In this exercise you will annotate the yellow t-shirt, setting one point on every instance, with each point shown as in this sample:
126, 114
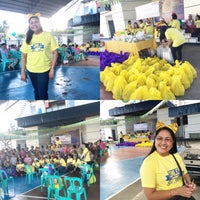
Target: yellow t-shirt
129, 28
36, 164
162, 172
149, 30
47, 160
39, 52
176, 36
175, 23
86, 155
197, 23
77, 162
42, 162
20, 166
142, 25
69, 160
58, 142
62, 162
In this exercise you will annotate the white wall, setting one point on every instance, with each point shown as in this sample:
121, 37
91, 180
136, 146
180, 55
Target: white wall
91, 131
162, 114
193, 125
191, 7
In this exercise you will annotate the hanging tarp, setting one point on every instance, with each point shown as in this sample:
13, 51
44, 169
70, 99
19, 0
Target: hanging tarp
148, 10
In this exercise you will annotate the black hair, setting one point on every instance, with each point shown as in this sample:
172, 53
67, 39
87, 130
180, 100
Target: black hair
174, 16
174, 147
29, 33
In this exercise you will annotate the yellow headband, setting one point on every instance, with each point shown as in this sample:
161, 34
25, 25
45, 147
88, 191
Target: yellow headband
173, 127
32, 15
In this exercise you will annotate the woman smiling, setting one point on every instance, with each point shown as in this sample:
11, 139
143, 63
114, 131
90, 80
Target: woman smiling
163, 173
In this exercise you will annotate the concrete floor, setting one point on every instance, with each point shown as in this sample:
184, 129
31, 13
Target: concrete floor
191, 53
73, 81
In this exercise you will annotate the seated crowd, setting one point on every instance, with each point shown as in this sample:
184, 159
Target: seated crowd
191, 25
10, 56
65, 158
74, 52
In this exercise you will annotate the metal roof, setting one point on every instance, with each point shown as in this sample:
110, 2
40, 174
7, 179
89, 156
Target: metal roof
46, 8
60, 117
138, 109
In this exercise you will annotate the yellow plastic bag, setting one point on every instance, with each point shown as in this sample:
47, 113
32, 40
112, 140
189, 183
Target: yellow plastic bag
129, 89
176, 87
150, 82
165, 91
118, 87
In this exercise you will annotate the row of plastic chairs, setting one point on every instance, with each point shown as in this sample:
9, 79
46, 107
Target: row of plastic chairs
72, 185
65, 56
14, 55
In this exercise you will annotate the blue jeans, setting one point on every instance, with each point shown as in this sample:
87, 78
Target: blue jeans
40, 83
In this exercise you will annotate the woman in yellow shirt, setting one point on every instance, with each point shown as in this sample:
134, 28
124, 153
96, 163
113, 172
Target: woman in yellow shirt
20, 168
76, 162
163, 173
61, 164
39, 55
36, 164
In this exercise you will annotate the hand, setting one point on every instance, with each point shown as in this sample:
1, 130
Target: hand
24, 76
51, 73
191, 185
186, 191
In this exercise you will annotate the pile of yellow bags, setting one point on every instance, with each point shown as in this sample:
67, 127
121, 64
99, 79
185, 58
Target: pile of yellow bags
147, 79
144, 144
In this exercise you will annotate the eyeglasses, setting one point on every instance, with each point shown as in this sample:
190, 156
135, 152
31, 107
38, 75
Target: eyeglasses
160, 139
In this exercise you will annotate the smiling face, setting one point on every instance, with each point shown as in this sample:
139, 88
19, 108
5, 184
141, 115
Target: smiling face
35, 25
163, 142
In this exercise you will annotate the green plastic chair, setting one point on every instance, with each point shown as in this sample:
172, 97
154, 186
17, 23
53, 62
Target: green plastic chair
45, 172
75, 185
87, 173
55, 171
5, 183
51, 186
30, 173
6, 61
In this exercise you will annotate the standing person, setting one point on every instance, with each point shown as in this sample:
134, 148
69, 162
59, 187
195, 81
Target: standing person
163, 173
37, 59
129, 27
175, 23
121, 137
175, 40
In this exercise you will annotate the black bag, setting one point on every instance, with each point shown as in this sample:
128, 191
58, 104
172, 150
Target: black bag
182, 198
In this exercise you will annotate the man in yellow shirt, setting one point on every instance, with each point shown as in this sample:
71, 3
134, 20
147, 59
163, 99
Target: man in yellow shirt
175, 40
175, 23
86, 154
129, 27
